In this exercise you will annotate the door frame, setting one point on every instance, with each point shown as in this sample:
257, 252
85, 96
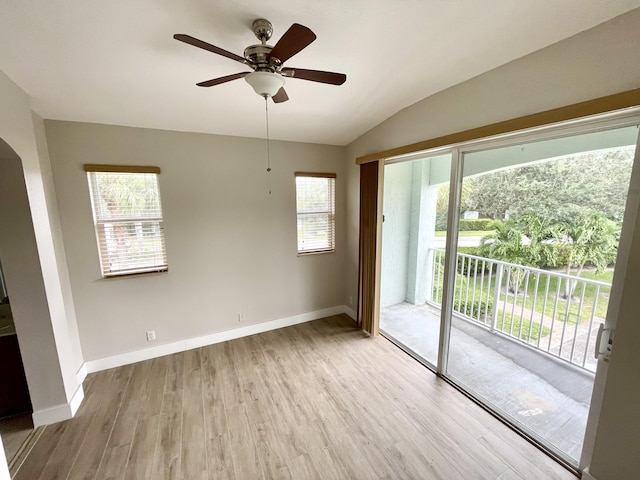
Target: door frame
600, 122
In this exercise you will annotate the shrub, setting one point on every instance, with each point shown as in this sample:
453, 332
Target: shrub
477, 251
469, 224
561, 254
465, 224
473, 309
469, 267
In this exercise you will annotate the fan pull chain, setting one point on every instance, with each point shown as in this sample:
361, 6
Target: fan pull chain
266, 110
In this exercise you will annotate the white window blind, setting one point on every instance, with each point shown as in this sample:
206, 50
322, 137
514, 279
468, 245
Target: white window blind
128, 219
316, 208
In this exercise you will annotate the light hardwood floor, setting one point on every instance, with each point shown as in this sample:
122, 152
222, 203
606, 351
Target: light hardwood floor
313, 401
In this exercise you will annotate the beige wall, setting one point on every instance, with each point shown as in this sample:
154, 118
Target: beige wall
231, 246
35, 280
595, 63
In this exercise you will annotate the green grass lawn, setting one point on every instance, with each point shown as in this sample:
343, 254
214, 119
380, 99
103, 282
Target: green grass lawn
574, 304
464, 301
526, 324
468, 292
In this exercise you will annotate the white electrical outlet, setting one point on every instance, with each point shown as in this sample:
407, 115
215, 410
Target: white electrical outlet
151, 335
350, 300
241, 317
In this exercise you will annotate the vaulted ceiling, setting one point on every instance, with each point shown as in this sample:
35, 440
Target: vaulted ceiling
116, 62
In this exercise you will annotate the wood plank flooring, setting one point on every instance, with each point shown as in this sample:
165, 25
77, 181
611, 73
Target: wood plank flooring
313, 401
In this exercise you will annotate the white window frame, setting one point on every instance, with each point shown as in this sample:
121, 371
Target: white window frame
111, 265
330, 213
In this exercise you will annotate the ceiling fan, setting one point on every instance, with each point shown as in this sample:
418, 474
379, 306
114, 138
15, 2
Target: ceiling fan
268, 75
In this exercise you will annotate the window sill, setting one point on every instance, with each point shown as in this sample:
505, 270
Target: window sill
315, 252
135, 274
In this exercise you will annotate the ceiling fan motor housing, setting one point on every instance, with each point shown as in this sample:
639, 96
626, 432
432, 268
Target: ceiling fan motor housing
257, 54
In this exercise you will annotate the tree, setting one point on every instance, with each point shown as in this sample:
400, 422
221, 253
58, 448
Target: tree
124, 194
442, 203
596, 181
593, 239
507, 243
119, 198
542, 235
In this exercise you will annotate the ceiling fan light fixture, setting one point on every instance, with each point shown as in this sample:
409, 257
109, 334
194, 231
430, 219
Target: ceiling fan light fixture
265, 84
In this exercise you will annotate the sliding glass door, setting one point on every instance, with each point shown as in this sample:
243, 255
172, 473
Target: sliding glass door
508, 306
415, 209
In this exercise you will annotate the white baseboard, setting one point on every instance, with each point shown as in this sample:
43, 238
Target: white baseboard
352, 313
58, 413
197, 342
587, 476
82, 374
76, 400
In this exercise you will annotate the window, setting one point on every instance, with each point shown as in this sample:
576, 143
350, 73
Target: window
316, 209
128, 219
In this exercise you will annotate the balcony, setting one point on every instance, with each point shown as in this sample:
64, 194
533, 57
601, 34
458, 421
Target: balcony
522, 339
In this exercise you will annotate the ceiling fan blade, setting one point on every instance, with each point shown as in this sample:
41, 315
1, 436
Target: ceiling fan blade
218, 81
281, 96
294, 40
316, 75
207, 46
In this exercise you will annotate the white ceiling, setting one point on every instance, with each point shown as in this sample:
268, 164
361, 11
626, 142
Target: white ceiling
116, 62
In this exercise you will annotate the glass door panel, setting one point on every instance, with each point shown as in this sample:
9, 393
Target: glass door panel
536, 254
415, 210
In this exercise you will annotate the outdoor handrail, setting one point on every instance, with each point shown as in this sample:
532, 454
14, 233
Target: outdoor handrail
494, 307
531, 269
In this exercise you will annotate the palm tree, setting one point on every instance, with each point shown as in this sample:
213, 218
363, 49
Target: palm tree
126, 195
593, 239
508, 243
542, 235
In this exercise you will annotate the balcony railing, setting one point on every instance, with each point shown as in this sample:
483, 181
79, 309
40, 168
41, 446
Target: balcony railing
553, 312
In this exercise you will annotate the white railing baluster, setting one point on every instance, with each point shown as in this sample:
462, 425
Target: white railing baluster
496, 295
515, 295
544, 308
579, 315
593, 315
460, 289
567, 313
533, 307
483, 267
486, 304
506, 297
473, 291
466, 269
524, 301
553, 317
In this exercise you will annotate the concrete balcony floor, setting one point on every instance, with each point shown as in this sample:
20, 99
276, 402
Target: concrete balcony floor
545, 395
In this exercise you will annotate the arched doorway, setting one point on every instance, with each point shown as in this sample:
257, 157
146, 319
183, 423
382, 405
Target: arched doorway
15, 402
